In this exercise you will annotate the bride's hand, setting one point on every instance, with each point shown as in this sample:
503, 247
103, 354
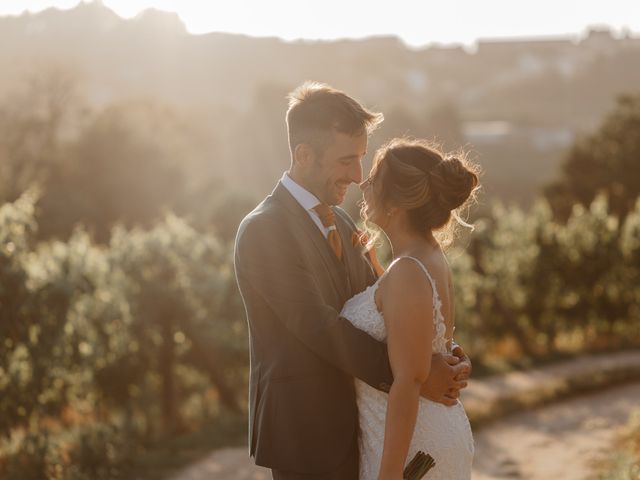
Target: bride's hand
442, 385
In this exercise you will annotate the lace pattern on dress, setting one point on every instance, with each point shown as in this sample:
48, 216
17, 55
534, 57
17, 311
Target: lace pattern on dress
362, 311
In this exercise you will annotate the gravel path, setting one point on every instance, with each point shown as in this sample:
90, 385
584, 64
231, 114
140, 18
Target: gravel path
557, 441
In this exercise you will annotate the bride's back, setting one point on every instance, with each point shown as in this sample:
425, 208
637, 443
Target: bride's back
437, 270
436, 264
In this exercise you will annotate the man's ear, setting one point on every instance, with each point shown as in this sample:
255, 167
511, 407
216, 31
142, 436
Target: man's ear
303, 155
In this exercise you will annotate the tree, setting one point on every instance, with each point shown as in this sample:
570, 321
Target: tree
36, 121
179, 285
126, 167
606, 161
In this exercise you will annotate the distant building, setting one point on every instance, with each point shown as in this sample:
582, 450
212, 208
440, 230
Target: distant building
494, 132
486, 132
600, 41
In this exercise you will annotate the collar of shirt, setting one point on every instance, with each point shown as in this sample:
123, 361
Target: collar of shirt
306, 199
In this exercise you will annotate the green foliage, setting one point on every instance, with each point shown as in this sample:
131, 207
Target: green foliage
181, 290
34, 118
126, 163
623, 462
546, 286
37, 292
604, 162
90, 452
122, 168
108, 348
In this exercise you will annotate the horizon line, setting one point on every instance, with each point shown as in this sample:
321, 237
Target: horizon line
573, 36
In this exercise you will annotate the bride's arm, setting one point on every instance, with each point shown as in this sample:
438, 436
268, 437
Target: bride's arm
407, 307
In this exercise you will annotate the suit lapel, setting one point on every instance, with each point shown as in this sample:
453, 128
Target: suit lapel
311, 234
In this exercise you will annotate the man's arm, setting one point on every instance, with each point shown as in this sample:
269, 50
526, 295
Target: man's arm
273, 267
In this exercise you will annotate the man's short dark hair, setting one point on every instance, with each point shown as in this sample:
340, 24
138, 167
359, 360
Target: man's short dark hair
317, 110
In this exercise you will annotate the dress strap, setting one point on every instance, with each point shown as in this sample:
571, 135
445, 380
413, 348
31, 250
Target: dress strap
424, 269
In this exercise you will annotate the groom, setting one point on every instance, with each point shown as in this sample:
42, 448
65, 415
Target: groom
296, 266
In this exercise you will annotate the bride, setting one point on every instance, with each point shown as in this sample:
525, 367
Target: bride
411, 192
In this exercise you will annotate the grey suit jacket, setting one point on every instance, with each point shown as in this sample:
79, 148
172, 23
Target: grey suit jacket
302, 407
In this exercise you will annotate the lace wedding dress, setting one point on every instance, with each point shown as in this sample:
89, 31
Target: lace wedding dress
442, 432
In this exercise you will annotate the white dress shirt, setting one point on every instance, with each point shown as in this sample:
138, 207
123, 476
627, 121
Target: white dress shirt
307, 200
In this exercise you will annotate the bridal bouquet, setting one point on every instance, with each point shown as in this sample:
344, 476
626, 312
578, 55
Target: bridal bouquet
419, 466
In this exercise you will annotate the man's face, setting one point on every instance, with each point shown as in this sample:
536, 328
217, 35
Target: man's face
340, 165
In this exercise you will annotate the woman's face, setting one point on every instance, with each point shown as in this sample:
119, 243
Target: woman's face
371, 210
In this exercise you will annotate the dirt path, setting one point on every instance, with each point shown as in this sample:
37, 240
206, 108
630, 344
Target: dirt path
560, 441
225, 464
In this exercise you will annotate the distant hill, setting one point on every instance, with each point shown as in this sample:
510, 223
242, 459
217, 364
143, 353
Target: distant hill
560, 86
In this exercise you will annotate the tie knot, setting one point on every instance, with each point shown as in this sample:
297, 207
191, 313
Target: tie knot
327, 217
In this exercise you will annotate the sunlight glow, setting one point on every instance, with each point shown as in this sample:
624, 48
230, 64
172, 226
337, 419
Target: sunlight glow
416, 22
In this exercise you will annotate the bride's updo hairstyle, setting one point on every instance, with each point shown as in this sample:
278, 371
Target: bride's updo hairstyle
431, 186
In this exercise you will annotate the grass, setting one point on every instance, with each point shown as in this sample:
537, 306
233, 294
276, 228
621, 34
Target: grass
624, 463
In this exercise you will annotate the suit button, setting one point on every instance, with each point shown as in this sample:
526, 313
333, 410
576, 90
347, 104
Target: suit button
385, 387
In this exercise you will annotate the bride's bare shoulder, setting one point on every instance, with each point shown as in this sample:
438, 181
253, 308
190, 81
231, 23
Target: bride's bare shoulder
404, 278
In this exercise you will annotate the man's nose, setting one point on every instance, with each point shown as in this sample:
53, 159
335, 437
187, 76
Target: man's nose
355, 175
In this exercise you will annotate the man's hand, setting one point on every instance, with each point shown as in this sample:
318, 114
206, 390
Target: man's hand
458, 351
447, 377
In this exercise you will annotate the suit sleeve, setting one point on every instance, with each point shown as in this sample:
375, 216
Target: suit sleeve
272, 266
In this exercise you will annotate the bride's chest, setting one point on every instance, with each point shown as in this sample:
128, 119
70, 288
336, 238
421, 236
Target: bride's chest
362, 312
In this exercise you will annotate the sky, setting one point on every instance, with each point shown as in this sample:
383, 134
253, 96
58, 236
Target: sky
417, 22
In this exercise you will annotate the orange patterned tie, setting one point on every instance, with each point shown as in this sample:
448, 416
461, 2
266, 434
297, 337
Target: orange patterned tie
328, 219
